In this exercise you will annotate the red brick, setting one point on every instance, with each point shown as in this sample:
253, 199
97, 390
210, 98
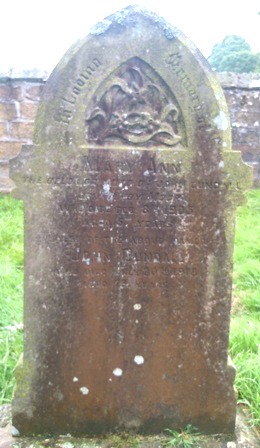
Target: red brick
28, 110
16, 92
7, 112
4, 130
34, 92
9, 149
10, 91
6, 184
22, 130
4, 92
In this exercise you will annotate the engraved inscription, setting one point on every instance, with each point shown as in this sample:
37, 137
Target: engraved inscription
174, 61
65, 113
134, 106
178, 185
131, 221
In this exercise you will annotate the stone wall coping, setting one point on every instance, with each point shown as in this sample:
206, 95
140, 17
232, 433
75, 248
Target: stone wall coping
228, 80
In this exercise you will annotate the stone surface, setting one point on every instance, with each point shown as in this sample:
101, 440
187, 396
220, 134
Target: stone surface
239, 80
244, 437
130, 192
245, 117
242, 93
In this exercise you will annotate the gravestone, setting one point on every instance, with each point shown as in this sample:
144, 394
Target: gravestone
130, 192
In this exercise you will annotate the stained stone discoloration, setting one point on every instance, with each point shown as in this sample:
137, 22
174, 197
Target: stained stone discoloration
130, 193
244, 437
126, 19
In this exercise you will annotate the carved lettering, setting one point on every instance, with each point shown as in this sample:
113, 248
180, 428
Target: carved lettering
64, 115
173, 60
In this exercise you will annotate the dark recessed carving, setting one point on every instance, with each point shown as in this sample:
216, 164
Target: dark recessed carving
135, 106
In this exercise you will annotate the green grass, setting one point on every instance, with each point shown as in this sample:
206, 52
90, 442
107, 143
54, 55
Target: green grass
245, 332
245, 327
187, 438
11, 292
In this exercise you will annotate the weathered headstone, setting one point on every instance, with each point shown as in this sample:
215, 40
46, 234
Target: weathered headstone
130, 192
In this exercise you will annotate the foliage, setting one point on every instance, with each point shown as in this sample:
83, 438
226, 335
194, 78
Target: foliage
187, 438
258, 63
123, 440
11, 292
247, 250
234, 54
245, 331
245, 337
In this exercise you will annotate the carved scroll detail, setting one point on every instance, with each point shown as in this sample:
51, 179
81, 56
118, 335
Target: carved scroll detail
133, 108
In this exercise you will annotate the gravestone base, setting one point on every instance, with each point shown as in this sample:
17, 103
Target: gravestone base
244, 437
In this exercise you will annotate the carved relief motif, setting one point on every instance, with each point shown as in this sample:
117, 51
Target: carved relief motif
135, 106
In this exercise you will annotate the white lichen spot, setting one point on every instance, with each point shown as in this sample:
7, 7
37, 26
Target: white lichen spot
86, 260
106, 191
120, 185
118, 372
75, 379
99, 258
84, 390
137, 306
138, 359
221, 121
146, 173
221, 164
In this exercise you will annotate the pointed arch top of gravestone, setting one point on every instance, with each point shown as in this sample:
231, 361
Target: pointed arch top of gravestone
134, 82
130, 190
138, 55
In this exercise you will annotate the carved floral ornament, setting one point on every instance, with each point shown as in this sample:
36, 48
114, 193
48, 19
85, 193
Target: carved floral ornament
134, 108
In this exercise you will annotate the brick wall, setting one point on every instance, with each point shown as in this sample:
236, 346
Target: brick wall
19, 100
243, 98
